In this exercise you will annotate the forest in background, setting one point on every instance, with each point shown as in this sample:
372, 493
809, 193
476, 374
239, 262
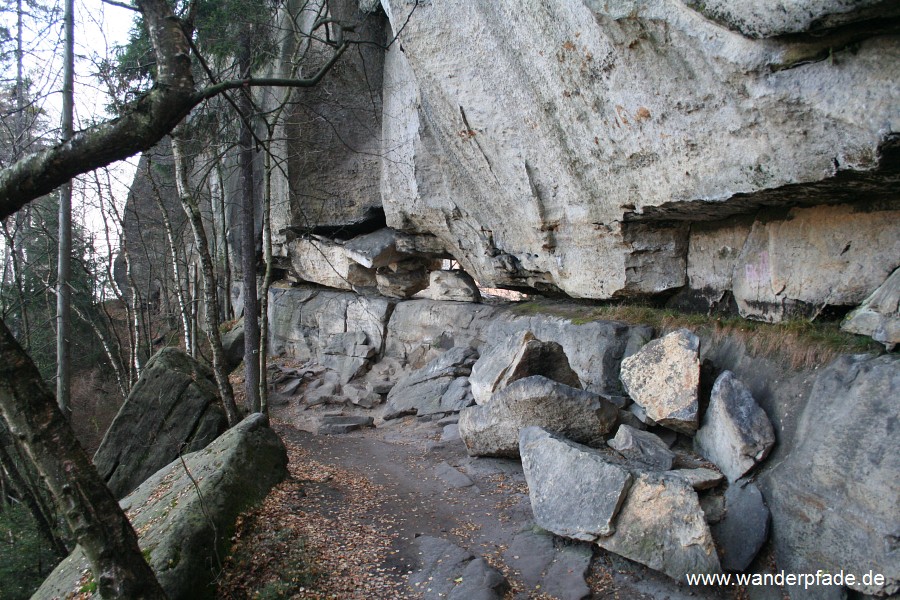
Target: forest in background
86, 307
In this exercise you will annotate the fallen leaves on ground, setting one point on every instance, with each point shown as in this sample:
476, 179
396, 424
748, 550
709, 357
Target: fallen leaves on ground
318, 535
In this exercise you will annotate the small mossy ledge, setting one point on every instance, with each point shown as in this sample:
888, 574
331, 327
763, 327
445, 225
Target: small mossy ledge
798, 343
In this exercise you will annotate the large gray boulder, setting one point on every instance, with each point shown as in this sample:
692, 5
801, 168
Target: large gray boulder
744, 528
642, 447
173, 409
575, 491
404, 278
594, 349
521, 355
321, 260
652, 518
663, 378
233, 345
456, 286
662, 526
420, 326
834, 496
736, 433
547, 568
879, 315
376, 249
441, 386
185, 513
492, 429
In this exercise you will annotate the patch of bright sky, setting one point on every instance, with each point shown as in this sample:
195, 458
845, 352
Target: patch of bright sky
99, 29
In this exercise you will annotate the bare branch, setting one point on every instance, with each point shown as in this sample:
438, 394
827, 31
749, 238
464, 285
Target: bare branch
121, 5
233, 84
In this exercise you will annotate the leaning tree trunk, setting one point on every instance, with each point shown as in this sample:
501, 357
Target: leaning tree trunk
31, 500
92, 512
209, 278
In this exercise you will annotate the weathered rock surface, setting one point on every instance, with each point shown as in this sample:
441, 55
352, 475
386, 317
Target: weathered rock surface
361, 397
339, 424
179, 532
651, 518
173, 408
642, 447
404, 278
845, 454
744, 528
377, 249
233, 345
573, 162
661, 525
418, 326
767, 18
348, 354
791, 266
492, 429
699, 478
879, 315
520, 356
575, 491
447, 571
440, 386
663, 378
325, 261
303, 319
545, 568
594, 349
736, 433
452, 476
457, 286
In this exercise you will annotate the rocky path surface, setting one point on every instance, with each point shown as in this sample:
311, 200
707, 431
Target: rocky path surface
400, 511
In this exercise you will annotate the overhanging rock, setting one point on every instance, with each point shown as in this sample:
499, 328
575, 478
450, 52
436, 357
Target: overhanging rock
577, 161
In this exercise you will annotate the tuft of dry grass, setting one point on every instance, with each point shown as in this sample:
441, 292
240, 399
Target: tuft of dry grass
797, 343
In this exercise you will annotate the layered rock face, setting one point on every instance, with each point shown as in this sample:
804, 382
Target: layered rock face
578, 160
733, 154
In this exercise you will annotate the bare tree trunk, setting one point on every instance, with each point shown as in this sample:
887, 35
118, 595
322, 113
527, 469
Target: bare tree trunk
134, 313
113, 284
98, 523
4, 492
195, 307
224, 250
41, 517
16, 259
64, 262
107, 349
248, 242
267, 282
209, 278
173, 254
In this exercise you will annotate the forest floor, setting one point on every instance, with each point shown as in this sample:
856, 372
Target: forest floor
345, 523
